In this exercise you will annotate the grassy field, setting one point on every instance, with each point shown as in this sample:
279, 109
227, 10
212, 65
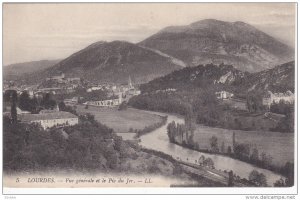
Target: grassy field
121, 121
279, 145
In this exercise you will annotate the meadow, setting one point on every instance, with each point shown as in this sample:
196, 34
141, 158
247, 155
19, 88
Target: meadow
279, 145
121, 120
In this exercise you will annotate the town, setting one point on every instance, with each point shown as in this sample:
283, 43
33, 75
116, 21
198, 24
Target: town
65, 90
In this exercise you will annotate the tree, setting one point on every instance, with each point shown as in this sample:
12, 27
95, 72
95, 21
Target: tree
229, 150
288, 171
214, 144
62, 106
14, 117
25, 102
14, 98
201, 160
242, 151
230, 178
233, 139
35, 104
48, 102
282, 107
258, 178
171, 131
263, 157
254, 102
123, 106
286, 124
208, 162
254, 156
280, 183
223, 147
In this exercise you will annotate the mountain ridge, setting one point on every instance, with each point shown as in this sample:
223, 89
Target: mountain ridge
114, 62
14, 71
214, 41
226, 77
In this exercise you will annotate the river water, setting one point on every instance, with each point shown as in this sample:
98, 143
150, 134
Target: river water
158, 140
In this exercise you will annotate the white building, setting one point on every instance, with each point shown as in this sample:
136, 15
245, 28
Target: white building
94, 88
48, 120
224, 95
105, 103
76, 79
270, 98
133, 92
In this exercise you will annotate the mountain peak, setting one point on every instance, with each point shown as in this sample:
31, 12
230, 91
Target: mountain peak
113, 62
208, 22
215, 41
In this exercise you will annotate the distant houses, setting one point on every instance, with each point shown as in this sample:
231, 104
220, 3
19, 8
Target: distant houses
58, 78
50, 119
271, 98
223, 95
106, 103
124, 93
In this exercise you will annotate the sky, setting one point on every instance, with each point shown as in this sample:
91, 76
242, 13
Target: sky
54, 31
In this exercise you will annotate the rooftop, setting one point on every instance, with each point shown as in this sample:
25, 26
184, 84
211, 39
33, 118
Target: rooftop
46, 116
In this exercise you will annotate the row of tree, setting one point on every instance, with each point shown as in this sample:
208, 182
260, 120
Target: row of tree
26, 103
180, 133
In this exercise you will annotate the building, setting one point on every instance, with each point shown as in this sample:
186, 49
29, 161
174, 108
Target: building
7, 111
71, 102
223, 95
105, 103
54, 90
76, 79
56, 78
270, 98
94, 88
48, 120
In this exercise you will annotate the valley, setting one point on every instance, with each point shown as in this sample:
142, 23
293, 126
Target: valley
209, 103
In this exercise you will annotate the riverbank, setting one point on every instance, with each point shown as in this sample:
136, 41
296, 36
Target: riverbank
152, 127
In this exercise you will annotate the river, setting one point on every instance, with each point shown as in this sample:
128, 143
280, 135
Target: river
158, 140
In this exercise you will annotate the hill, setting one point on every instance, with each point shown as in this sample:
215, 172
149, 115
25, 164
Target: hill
203, 76
278, 79
225, 77
14, 71
213, 41
114, 62
191, 92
